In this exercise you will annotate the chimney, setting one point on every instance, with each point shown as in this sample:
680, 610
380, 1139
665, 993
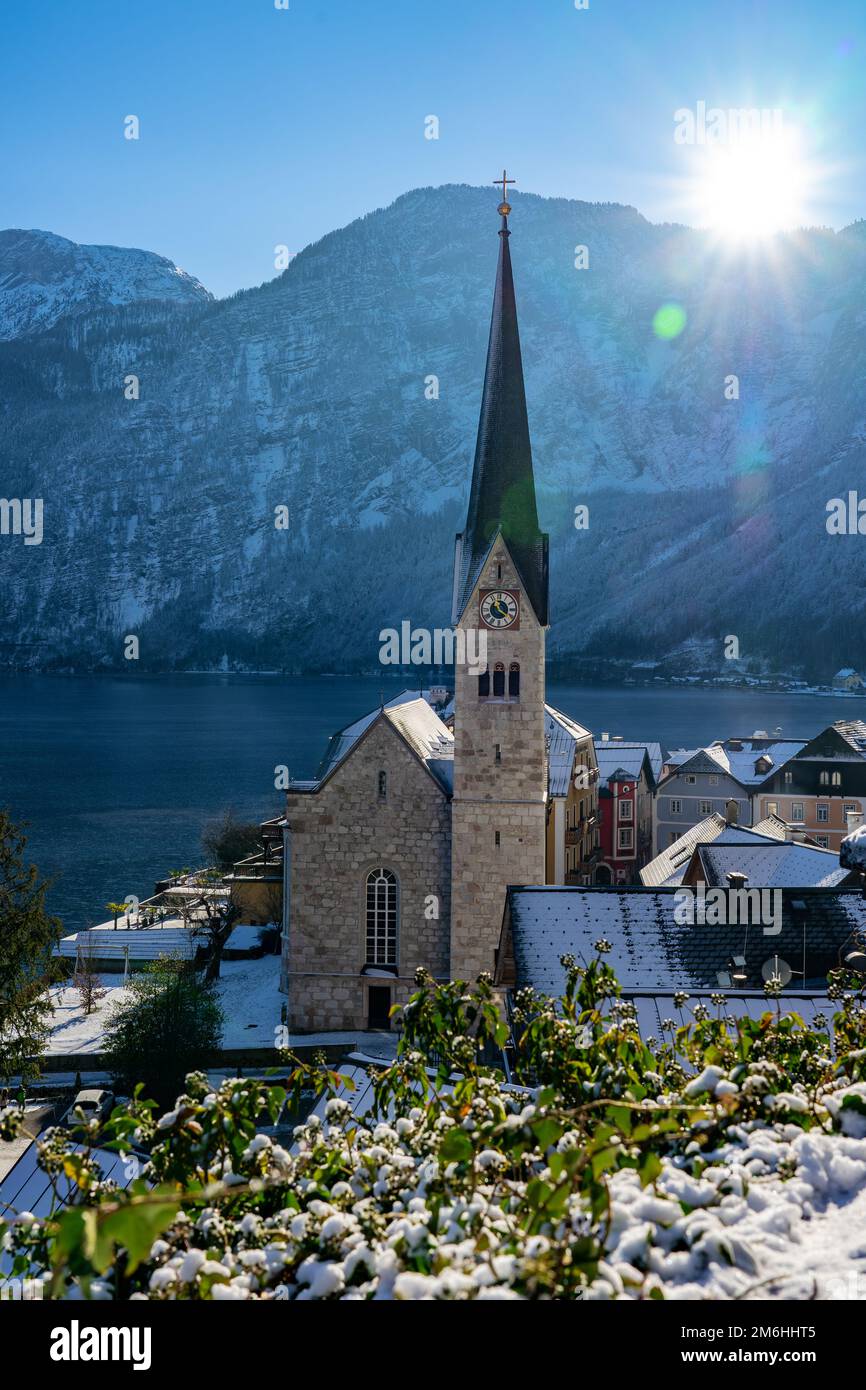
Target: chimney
736, 879
605, 738
732, 812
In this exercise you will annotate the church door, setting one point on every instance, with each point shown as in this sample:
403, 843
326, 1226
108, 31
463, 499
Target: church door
379, 1007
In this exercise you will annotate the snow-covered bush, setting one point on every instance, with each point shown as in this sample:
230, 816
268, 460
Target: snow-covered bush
615, 1167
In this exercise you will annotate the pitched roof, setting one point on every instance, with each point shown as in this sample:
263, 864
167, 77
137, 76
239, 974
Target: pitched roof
618, 753
651, 950
502, 495
744, 761
417, 724
668, 867
783, 864
562, 736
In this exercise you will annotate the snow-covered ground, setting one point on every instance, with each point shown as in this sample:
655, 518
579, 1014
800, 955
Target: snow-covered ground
71, 1031
248, 991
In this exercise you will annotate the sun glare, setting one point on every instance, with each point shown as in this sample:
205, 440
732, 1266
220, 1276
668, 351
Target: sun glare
753, 187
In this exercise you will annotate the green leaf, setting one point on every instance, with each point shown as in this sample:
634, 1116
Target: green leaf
649, 1168
456, 1147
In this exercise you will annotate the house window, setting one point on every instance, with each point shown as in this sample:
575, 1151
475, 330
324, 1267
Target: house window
772, 808
381, 917
823, 841
497, 752
383, 786
676, 806
625, 837
498, 679
823, 812
626, 810
484, 685
691, 778
789, 777
672, 837
514, 680
706, 808
714, 781
836, 779
798, 811
824, 779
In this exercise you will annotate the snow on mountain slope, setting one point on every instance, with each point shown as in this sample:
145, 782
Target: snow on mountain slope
43, 277
707, 514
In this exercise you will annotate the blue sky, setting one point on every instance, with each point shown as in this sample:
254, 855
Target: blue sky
261, 126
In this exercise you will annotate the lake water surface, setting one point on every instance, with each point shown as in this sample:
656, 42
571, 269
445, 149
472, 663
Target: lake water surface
116, 775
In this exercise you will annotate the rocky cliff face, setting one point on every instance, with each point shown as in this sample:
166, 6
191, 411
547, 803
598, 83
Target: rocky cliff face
315, 393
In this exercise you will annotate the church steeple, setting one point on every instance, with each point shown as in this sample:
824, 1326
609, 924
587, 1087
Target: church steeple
502, 497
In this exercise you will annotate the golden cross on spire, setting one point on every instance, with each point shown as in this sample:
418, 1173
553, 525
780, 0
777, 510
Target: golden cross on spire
505, 182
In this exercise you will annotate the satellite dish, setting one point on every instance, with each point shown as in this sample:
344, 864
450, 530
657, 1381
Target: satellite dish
777, 969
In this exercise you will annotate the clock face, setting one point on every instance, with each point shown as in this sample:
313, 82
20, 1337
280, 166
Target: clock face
499, 608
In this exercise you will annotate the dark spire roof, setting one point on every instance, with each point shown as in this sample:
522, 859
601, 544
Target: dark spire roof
503, 487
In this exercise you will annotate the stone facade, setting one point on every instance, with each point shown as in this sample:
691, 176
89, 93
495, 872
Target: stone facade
499, 808
335, 836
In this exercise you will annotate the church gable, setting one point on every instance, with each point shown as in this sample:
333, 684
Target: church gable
499, 572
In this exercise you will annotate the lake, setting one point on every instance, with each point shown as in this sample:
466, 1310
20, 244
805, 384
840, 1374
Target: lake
117, 775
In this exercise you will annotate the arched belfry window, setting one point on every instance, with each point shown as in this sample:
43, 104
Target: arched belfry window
498, 679
484, 685
514, 680
381, 917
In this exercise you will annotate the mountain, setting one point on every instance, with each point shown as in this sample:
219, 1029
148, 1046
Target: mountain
44, 277
314, 392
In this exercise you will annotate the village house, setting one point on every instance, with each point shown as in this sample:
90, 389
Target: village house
821, 788
627, 783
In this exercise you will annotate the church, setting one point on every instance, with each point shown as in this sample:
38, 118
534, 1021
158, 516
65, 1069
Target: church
399, 853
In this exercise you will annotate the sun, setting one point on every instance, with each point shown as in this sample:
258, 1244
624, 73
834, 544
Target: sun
753, 187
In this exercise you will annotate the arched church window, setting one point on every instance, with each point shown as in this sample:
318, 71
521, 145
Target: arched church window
484, 685
498, 679
514, 680
381, 917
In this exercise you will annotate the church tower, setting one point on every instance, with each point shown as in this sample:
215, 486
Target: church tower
500, 591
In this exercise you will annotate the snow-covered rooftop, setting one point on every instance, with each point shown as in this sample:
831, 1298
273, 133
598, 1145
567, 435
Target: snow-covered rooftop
783, 864
651, 950
413, 717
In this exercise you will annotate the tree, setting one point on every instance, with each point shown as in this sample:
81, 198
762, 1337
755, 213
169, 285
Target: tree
27, 934
87, 981
170, 1024
228, 839
116, 908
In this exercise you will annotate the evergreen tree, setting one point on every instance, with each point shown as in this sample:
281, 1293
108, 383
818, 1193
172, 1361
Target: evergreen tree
171, 1024
27, 933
